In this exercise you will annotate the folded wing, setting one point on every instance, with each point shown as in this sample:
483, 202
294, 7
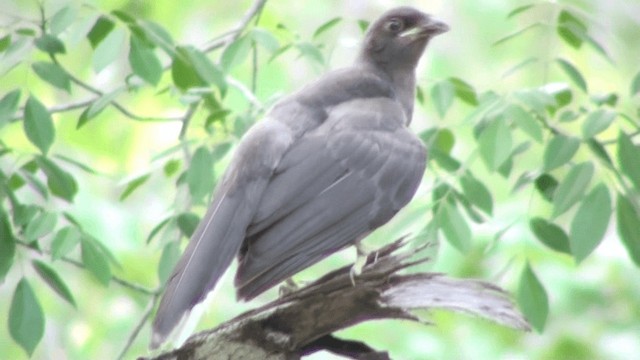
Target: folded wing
333, 186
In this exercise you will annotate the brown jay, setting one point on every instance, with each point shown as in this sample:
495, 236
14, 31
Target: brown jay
326, 166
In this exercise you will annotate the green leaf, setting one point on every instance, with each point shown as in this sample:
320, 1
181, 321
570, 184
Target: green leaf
635, 85
41, 225
628, 219
597, 122
265, 39
26, 32
464, 91
192, 68
519, 66
38, 125
363, 25
26, 319
573, 74
442, 95
53, 74
326, 26
550, 234
532, 299
629, 158
62, 19
9, 105
599, 48
55, 282
79, 164
236, 53
311, 51
97, 106
95, 261
537, 100
144, 61
610, 99
561, 96
568, 116
100, 30
525, 121
572, 188
445, 161
571, 29
168, 260
7, 245
200, 174
61, 183
5, 41
24, 214
495, 143
108, 49
477, 193
590, 223
517, 33
599, 150
420, 95
64, 242
50, 44
133, 185
187, 223
454, 227
159, 36
559, 151
171, 167
520, 10
441, 139
156, 229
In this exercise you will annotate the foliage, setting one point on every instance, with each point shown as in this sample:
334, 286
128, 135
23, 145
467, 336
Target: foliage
564, 145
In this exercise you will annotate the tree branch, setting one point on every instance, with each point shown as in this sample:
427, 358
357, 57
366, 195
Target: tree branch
302, 322
125, 283
230, 36
138, 328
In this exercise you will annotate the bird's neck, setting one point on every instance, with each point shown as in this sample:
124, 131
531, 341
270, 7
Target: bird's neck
403, 81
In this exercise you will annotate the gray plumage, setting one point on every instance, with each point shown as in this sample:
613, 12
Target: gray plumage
328, 165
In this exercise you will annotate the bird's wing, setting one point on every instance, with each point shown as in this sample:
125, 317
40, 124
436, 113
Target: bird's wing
221, 232
334, 185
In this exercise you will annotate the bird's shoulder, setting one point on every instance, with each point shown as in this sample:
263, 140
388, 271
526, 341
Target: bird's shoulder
310, 106
345, 84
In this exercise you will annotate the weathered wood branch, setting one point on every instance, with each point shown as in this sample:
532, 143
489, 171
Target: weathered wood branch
302, 322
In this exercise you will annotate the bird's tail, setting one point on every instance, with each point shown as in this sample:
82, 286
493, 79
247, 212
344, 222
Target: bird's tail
211, 250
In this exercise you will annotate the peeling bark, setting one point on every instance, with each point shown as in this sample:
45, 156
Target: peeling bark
302, 322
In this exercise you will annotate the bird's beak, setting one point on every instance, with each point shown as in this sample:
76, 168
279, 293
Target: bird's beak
429, 28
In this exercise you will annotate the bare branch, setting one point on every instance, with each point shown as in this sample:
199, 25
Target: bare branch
302, 322
138, 328
248, 94
230, 36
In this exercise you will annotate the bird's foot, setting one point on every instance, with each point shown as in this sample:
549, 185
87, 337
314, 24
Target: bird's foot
362, 257
289, 286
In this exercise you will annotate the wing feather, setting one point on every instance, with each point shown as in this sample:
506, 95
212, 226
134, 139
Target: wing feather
355, 170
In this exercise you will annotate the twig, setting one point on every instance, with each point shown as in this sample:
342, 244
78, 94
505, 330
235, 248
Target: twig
136, 331
58, 108
115, 104
133, 286
234, 33
248, 94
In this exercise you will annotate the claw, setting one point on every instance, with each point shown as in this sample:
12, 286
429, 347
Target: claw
288, 287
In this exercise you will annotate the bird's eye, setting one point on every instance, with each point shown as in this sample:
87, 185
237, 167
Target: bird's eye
394, 25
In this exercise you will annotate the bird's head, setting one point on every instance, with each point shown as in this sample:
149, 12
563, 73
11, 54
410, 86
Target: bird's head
399, 37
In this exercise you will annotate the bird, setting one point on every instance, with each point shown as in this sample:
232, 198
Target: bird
325, 167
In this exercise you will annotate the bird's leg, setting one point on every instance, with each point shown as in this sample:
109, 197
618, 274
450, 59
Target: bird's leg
362, 253
289, 286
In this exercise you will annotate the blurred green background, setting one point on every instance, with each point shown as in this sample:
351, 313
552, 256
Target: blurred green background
594, 308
